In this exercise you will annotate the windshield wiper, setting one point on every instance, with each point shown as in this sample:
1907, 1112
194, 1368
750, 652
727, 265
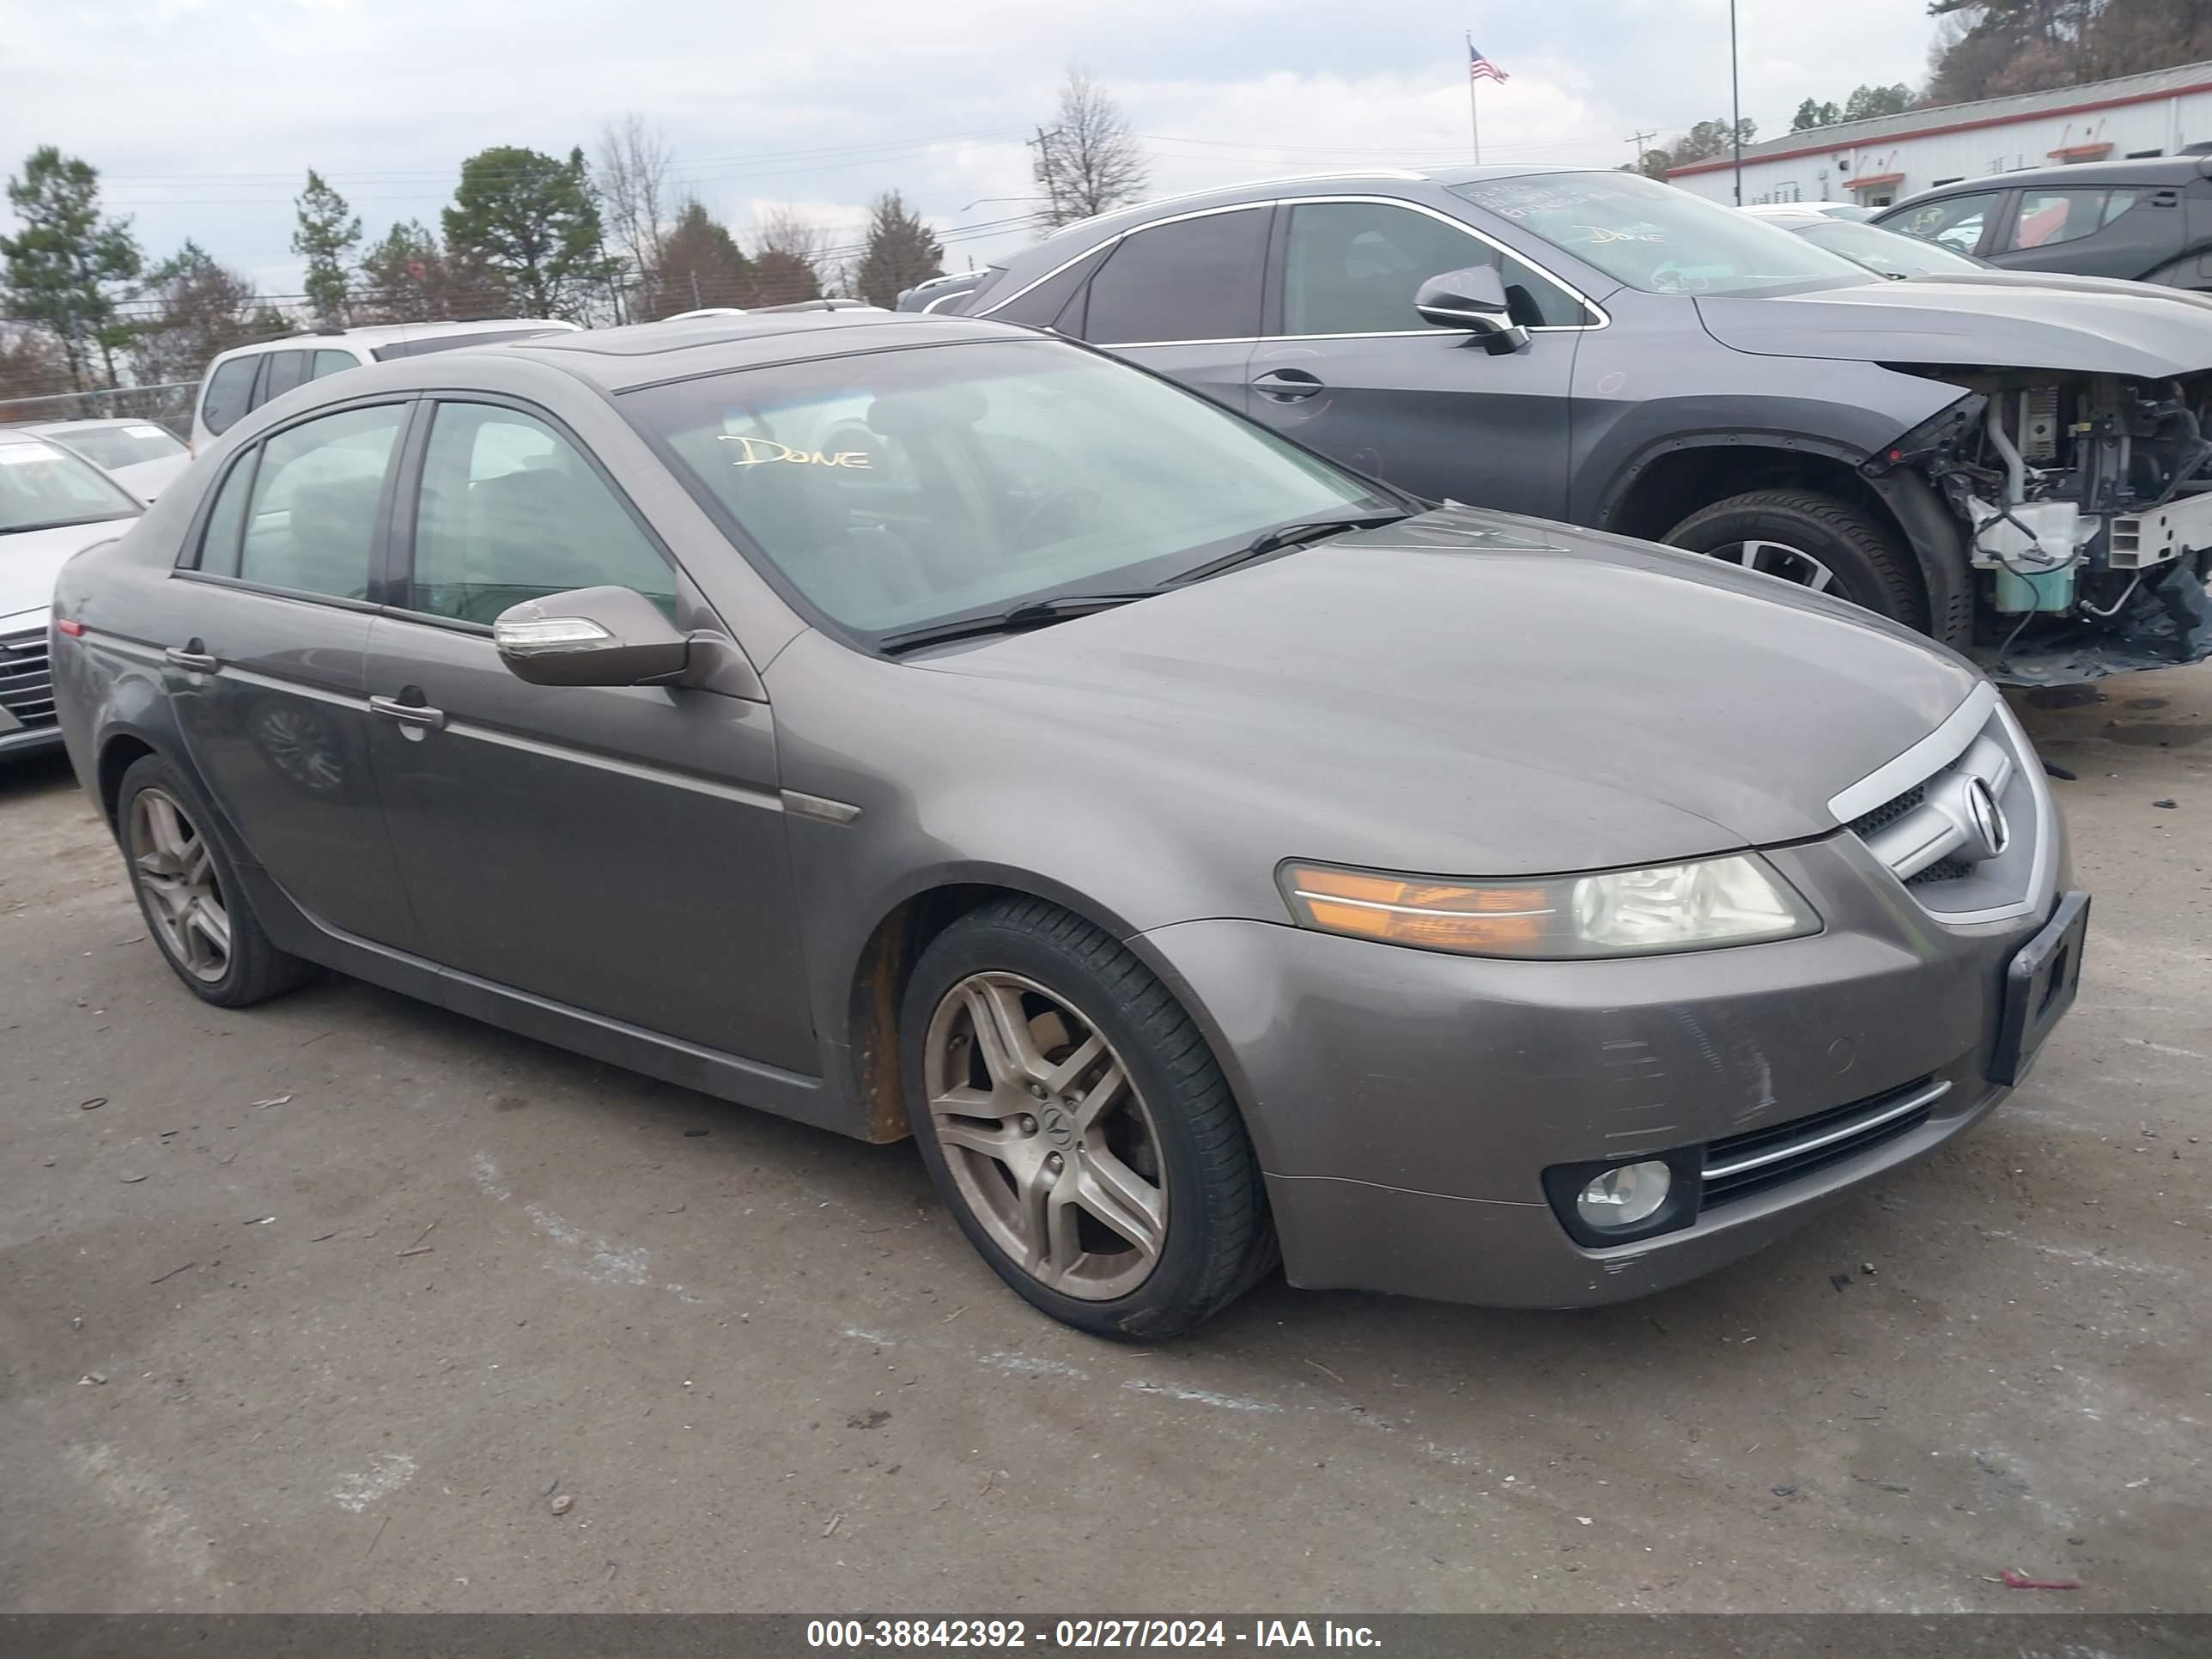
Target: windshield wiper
1286, 535
1031, 613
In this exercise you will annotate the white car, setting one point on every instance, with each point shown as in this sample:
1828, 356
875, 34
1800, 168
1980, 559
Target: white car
1825, 210
142, 457
53, 505
241, 379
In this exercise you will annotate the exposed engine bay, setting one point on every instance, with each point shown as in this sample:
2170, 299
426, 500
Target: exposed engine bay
2086, 501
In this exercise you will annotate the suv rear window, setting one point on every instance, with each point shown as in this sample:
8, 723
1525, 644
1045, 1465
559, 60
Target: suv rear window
227, 389
455, 342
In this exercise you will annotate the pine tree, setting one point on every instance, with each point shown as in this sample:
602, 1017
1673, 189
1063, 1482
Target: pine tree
700, 264
901, 251
328, 232
532, 223
63, 264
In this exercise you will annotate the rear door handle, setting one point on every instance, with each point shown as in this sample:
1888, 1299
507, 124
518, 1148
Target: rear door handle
407, 713
197, 661
1288, 384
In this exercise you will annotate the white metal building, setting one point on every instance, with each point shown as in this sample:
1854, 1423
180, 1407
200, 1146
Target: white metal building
1886, 159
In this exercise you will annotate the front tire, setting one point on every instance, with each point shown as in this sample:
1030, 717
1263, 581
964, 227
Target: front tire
195, 907
1078, 1126
1816, 541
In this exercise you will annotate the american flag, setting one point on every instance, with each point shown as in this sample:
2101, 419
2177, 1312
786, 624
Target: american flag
1480, 68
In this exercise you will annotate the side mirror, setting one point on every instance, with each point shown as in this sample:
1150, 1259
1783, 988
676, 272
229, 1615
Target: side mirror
1472, 299
590, 636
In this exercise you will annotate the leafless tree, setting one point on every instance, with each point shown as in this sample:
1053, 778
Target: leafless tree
1087, 161
792, 259
631, 175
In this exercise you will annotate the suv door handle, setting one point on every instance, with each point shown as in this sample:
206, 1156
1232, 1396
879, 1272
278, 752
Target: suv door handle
407, 713
1287, 386
191, 657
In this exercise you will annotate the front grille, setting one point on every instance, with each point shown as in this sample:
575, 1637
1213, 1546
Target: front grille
26, 681
1747, 1164
1888, 813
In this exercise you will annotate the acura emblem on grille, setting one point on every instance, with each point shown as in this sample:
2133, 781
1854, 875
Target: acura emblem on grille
1987, 832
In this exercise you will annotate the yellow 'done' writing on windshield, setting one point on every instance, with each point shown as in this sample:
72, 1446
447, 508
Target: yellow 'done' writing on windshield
759, 451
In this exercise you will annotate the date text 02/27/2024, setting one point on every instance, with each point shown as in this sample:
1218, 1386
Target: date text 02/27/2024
1085, 1633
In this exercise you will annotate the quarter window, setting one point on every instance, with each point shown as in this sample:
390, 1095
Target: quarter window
311, 524
1193, 279
2047, 217
1956, 223
229, 390
511, 510
1353, 268
226, 523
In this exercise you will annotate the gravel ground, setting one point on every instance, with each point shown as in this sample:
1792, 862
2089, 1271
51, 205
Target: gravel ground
330, 1304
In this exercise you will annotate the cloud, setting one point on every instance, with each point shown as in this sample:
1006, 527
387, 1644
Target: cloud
204, 116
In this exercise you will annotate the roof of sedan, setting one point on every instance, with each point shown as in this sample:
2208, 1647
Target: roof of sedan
643, 353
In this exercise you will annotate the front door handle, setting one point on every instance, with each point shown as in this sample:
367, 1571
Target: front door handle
191, 657
407, 713
1287, 386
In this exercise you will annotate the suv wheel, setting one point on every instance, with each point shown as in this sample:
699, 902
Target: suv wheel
194, 905
1815, 541
1078, 1126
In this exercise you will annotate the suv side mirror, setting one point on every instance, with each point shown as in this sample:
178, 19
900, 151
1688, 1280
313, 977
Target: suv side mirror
1474, 299
590, 636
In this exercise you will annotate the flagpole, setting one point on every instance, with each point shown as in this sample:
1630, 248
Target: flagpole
1474, 109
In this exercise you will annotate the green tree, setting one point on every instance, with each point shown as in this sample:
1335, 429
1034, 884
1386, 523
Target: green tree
532, 223
1811, 114
901, 251
64, 265
1709, 139
1866, 102
327, 234
700, 265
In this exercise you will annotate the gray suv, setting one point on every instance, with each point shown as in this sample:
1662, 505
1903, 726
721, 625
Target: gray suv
2009, 466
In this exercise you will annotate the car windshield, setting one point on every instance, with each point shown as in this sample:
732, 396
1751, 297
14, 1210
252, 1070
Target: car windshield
1888, 253
42, 486
901, 489
118, 446
1653, 236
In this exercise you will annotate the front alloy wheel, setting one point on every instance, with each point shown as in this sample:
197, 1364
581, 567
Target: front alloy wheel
174, 868
1047, 1140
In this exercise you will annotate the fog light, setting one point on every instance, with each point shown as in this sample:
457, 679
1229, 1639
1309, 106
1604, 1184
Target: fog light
1626, 1195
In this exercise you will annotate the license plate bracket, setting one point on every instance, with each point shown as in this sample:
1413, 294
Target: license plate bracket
2039, 985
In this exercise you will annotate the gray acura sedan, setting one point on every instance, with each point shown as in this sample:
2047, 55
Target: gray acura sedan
917, 725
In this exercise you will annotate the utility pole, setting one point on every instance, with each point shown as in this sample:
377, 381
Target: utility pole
1735, 108
1636, 141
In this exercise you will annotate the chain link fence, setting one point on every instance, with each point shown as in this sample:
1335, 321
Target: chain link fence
168, 406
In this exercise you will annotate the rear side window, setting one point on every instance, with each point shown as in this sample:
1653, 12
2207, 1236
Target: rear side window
455, 342
2048, 217
311, 523
286, 370
229, 393
1193, 279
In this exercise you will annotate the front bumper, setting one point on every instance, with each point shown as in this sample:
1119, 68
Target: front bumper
1406, 1103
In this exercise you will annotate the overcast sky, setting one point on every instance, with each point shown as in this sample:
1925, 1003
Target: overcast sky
204, 114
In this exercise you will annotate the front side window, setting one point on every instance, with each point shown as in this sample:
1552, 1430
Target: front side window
1653, 236
42, 486
511, 510
1956, 223
2047, 217
311, 521
229, 393
1193, 279
899, 489
1354, 267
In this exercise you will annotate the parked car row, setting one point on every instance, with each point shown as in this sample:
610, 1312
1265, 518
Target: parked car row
2011, 463
1210, 852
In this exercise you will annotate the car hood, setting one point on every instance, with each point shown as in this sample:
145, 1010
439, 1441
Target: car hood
30, 559
1474, 693
2099, 329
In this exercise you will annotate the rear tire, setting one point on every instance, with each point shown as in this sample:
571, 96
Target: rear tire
1816, 541
195, 907
1078, 1126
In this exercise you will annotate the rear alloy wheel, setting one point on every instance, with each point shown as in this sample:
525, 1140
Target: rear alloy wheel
1078, 1126
191, 894
1815, 541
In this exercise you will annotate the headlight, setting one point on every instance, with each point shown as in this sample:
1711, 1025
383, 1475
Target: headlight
1695, 906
